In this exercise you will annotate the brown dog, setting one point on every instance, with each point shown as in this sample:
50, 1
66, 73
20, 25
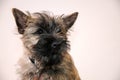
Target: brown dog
46, 46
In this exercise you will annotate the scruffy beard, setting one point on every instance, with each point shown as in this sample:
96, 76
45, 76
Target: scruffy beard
47, 55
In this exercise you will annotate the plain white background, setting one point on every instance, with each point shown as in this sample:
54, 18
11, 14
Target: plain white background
95, 37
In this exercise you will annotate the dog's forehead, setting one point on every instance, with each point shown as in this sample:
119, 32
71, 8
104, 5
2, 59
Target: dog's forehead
45, 20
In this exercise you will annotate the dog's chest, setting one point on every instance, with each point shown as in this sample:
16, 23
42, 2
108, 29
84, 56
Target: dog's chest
42, 77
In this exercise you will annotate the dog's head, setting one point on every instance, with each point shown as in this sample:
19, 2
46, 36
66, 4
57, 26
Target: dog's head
44, 35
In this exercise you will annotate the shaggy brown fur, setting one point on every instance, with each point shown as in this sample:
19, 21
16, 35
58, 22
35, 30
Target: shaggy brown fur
46, 46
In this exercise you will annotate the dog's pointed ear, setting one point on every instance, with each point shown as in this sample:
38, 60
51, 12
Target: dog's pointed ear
20, 19
70, 19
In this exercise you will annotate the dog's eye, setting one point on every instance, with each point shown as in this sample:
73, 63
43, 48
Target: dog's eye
58, 30
40, 31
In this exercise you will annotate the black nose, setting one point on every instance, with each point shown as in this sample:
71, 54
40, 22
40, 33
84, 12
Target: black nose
55, 44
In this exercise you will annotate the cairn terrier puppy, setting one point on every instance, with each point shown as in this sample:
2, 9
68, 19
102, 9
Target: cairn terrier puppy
46, 46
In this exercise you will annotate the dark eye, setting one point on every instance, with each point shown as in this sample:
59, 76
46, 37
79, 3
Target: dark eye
40, 31
58, 30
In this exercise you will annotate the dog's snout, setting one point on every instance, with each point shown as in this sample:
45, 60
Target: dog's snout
55, 44
51, 41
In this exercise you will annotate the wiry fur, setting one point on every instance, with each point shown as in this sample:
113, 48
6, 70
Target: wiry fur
46, 46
